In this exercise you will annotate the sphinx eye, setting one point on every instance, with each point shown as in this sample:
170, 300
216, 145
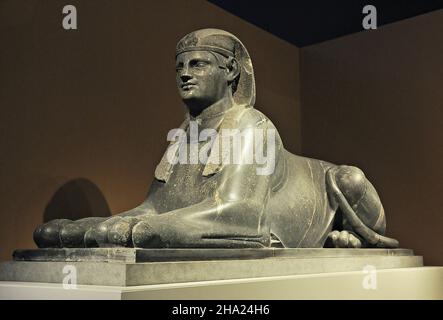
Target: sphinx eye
199, 64
179, 67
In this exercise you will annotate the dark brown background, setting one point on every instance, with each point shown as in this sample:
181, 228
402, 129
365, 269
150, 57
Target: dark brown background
375, 100
84, 113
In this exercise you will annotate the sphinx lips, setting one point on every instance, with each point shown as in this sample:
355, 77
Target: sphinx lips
188, 86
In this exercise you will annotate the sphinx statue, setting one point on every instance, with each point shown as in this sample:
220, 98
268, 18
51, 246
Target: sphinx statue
207, 193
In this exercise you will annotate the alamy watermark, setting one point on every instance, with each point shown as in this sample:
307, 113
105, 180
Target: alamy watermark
370, 279
369, 22
70, 280
69, 21
252, 146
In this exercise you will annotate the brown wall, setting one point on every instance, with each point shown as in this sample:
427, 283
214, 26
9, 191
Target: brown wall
84, 114
375, 100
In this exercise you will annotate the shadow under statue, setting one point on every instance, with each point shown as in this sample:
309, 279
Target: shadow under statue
222, 203
76, 199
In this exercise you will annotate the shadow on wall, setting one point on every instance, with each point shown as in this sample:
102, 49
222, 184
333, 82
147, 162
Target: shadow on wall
77, 199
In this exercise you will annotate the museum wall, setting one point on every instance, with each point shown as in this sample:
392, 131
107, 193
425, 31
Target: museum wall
375, 100
84, 113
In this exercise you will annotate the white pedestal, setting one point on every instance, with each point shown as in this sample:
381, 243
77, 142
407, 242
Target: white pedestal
399, 283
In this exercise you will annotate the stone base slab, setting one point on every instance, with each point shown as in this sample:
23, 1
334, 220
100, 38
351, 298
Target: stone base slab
132, 255
310, 261
404, 283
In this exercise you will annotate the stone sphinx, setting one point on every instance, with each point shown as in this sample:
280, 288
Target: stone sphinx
217, 203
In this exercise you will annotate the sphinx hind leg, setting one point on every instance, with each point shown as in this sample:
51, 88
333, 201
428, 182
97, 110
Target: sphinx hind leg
357, 199
361, 196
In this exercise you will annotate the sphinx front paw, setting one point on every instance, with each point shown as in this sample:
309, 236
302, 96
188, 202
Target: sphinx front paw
47, 235
343, 239
115, 232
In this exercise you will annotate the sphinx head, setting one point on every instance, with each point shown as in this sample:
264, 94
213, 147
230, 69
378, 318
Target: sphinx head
212, 65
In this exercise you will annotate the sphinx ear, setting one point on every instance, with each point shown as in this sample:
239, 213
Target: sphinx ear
233, 69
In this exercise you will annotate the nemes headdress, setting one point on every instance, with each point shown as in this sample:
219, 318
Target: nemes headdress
228, 45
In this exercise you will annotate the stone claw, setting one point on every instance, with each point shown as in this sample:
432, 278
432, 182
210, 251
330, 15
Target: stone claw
120, 233
72, 235
145, 236
344, 239
116, 231
47, 235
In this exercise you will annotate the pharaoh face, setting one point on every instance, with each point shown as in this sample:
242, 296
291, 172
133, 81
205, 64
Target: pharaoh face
201, 79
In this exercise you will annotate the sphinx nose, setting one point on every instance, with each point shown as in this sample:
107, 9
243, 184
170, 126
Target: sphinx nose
184, 77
